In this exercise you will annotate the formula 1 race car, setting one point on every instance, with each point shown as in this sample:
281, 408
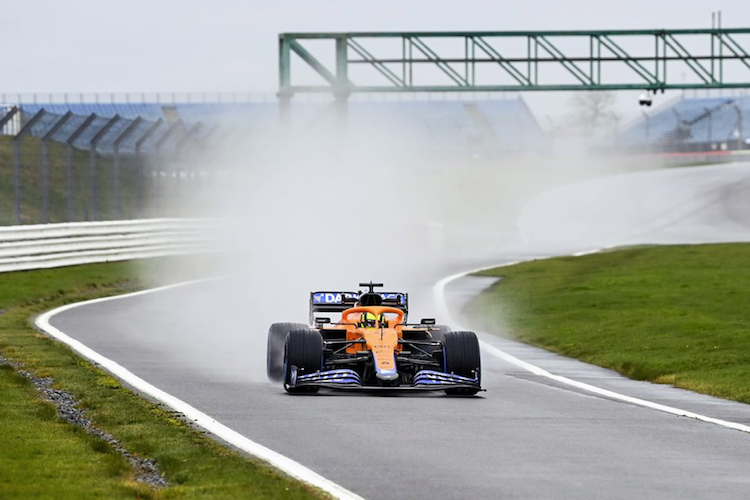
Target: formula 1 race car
371, 346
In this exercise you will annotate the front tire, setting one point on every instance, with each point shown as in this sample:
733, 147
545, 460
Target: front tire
461, 357
303, 354
275, 349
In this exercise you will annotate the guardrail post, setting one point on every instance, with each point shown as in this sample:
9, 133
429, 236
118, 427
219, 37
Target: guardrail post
45, 163
69, 160
17, 161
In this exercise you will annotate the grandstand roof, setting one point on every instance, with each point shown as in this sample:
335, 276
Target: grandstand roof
693, 121
505, 124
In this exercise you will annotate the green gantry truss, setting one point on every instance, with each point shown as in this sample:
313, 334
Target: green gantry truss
525, 59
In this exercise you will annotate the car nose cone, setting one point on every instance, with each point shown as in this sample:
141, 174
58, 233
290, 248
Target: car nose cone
387, 375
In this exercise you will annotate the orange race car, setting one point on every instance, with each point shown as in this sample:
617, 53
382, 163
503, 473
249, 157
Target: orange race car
371, 346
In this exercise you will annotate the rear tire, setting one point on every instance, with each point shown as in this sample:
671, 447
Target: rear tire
303, 350
275, 349
461, 357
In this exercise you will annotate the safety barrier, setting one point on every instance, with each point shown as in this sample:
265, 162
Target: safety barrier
56, 245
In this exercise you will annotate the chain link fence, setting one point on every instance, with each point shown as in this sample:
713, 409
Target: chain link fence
67, 167
95, 158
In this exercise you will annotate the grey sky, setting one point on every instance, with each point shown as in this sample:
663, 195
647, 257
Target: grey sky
231, 45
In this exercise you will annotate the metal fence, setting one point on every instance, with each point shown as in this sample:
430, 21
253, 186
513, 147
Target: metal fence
113, 157
69, 167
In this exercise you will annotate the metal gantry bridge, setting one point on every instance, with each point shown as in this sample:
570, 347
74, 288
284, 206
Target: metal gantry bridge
601, 60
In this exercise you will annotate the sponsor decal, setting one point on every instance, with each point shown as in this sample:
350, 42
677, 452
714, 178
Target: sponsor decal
331, 297
338, 297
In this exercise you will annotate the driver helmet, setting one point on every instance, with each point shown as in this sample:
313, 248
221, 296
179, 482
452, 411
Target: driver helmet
383, 321
368, 320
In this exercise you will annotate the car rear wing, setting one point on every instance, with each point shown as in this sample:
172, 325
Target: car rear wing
337, 302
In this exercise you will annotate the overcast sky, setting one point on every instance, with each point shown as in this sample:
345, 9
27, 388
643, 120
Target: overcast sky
231, 45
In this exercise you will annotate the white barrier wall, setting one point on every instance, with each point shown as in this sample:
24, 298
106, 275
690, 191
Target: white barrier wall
55, 245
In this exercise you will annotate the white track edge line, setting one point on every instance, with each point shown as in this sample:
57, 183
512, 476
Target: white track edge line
277, 460
438, 291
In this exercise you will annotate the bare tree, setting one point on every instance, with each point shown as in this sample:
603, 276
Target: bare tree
594, 112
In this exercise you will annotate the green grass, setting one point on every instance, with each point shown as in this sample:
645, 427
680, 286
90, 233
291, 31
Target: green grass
674, 314
43, 457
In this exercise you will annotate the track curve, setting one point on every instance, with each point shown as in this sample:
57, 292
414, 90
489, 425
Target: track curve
526, 437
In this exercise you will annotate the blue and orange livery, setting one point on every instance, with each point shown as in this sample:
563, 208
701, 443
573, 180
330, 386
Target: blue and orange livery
371, 345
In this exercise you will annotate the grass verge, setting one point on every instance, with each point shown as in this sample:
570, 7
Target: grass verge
43, 457
672, 314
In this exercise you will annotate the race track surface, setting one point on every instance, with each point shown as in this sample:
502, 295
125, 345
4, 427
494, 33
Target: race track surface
526, 437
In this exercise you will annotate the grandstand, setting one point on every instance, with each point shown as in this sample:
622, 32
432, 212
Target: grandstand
503, 125
94, 161
692, 124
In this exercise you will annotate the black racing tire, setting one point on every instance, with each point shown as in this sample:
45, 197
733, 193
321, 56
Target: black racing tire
461, 356
304, 350
275, 351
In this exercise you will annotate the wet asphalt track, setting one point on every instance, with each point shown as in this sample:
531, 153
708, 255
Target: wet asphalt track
526, 437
